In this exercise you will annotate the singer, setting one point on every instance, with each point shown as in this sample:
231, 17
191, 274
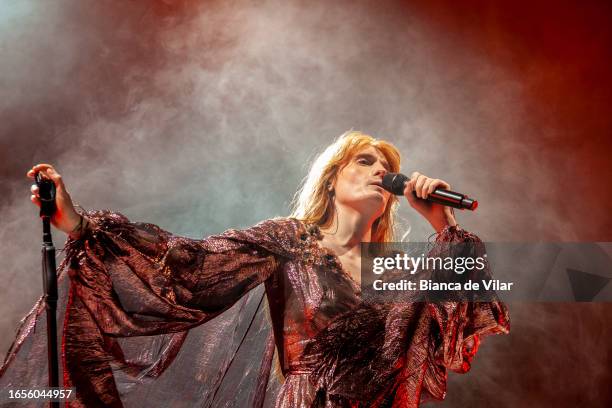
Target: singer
134, 286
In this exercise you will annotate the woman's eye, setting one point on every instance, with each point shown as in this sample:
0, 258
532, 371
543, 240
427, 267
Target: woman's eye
363, 161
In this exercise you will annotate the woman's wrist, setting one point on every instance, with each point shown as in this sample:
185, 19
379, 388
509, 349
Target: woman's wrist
447, 220
80, 228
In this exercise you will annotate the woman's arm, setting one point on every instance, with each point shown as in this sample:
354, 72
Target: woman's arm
439, 216
461, 325
132, 279
136, 278
142, 280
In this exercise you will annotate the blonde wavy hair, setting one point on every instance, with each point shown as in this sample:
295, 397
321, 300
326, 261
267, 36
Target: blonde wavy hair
313, 204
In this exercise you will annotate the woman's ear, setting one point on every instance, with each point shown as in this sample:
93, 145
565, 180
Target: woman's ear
331, 182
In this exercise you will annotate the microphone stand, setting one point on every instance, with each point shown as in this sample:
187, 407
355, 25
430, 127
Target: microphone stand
49, 275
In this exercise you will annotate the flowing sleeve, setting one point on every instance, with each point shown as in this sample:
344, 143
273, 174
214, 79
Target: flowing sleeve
137, 279
457, 327
137, 315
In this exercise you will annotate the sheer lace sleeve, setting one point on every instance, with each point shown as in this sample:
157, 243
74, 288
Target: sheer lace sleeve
458, 327
137, 279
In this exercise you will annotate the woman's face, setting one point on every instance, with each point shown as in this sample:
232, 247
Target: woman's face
358, 184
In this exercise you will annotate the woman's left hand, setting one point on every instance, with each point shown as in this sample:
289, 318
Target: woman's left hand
438, 215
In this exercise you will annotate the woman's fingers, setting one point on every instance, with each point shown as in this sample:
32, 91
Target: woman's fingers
39, 167
410, 185
409, 188
66, 217
418, 186
433, 184
427, 187
423, 186
443, 184
55, 177
35, 200
48, 172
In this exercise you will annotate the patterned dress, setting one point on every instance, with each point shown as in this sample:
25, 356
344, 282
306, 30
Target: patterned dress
144, 324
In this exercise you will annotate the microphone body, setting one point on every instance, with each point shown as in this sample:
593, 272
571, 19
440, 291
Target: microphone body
46, 194
396, 182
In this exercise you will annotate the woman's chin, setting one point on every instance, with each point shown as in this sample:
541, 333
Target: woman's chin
375, 203
371, 201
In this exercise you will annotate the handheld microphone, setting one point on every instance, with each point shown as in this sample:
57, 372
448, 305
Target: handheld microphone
396, 182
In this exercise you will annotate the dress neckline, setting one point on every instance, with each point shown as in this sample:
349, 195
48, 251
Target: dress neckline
329, 254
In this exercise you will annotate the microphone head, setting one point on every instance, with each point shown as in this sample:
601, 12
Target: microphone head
394, 183
469, 203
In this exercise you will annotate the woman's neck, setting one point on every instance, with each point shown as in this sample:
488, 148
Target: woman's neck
349, 228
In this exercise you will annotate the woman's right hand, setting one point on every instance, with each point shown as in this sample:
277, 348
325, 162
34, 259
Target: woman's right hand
65, 217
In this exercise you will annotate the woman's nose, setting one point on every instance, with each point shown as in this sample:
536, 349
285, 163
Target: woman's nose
380, 172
